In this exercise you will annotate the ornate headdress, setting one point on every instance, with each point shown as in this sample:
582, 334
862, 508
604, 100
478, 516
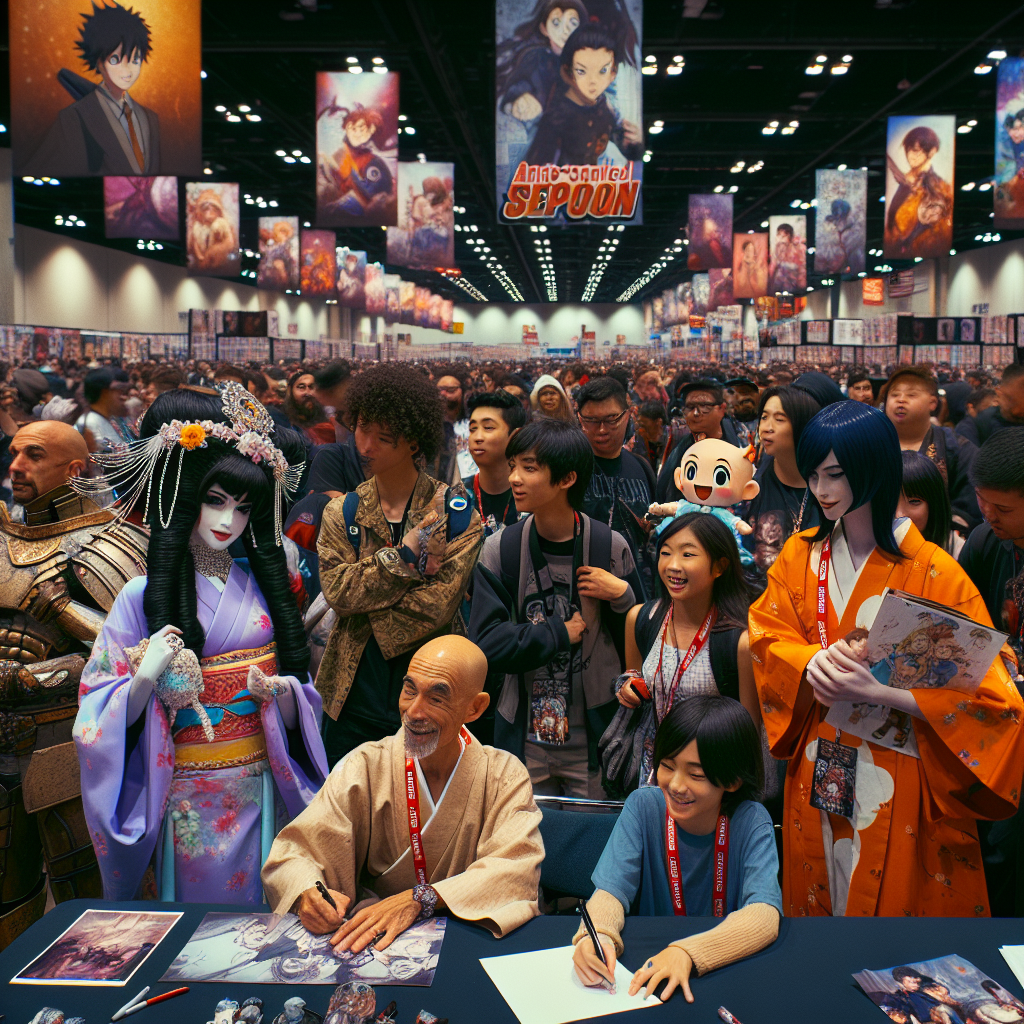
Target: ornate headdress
129, 468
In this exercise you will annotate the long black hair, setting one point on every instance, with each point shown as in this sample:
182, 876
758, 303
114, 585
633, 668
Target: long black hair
170, 596
922, 479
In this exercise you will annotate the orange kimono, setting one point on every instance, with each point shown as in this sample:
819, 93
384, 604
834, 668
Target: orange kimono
911, 848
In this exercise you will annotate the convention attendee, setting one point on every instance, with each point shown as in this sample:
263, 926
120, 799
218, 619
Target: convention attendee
741, 396
663, 855
924, 500
301, 407
858, 386
452, 385
550, 595
33, 391
159, 380
227, 372
655, 438
648, 387
231, 732
387, 598
104, 422
331, 384
519, 389
921, 856
480, 853
821, 387
977, 402
493, 418
1009, 408
548, 399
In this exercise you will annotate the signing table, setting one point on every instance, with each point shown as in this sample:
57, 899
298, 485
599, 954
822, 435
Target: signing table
804, 976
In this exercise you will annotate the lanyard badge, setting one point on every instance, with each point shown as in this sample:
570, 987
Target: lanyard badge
720, 868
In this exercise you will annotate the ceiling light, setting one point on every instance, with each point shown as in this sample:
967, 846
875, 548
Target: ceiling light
718, 188
821, 58
202, 74
841, 167
647, 157
813, 69
839, 69
220, 109
984, 186
280, 152
737, 167
963, 129
972, 123
378, 60
244, 108
649, 69
380, 69
795, 205
734, 188
952, 252
674, 69
764, 223
296, 152
304, 160
352, 60
996, 54
253, 117
233, 118
848, 58
207, 170
355, 69
289, 159
967, 186
983, 69
917, 259
650, 59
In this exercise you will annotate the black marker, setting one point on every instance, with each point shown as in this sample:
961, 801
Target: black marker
322, 889
592, 932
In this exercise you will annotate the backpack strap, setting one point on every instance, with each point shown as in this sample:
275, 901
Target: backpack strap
349, 509
460, 513
648, 625
722, 649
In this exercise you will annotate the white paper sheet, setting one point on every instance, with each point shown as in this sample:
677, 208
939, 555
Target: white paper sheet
1014, 956
541, 987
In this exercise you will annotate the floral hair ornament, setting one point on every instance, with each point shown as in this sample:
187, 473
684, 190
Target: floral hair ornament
129, 468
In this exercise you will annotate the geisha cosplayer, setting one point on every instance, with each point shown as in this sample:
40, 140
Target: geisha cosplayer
881, 826
198, 729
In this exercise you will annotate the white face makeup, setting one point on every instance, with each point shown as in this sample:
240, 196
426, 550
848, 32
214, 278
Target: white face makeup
222, 519
829, 485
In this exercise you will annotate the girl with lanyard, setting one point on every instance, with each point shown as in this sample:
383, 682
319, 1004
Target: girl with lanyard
697, 843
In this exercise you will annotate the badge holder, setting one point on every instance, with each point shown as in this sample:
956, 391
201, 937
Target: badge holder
835, 778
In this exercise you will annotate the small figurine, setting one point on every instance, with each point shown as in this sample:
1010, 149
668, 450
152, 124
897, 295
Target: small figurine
228, 1011
295, 1012
351, 1003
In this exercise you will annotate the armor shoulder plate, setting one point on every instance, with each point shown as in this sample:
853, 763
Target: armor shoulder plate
107, 561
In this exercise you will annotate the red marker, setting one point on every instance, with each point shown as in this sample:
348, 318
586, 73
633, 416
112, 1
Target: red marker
727, 1016
156, 999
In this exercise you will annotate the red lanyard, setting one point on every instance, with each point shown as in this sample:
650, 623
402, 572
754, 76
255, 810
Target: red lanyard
694, 649
823, 592
412, 799
721, 871
480, 501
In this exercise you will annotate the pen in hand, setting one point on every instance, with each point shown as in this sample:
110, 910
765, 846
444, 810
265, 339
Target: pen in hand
598, 950
322, 889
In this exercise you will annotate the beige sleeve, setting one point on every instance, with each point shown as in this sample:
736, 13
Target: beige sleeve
743, 932
608, 916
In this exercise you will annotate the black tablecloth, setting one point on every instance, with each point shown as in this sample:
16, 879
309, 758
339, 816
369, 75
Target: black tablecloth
803, 977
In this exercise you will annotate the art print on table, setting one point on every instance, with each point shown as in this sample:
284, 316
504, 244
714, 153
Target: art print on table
272, 949
946, 990
102, 947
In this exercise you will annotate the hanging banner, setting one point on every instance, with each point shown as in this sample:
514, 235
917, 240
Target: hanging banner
318, 270
211, 232
407, 300
710, 231
569, 110
351, 277
447, 315
141, 208
901, 284
684, 302
434, 311
721, 288
279, 253
392, 300
668, 305
72, 81
1008, 195
422, 318
840, 223
872, 291
374, 289
750, 265
919, 160
701, 285
356, 149
787, 266
425, 236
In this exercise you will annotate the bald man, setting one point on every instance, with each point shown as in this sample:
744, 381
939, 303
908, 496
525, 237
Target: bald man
466, 809
61, 566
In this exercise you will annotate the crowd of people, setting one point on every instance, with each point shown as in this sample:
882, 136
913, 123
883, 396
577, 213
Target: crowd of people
385, 605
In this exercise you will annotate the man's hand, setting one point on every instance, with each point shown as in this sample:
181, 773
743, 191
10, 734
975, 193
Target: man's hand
671, 965
599, 584
317, 915
576, 627
589, 969
391, 916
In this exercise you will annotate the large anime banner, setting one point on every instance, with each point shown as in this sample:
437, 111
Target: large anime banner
279, 253
318, 269
141, 207
356, 149
105, 89
840, 224
749, 265
919, 157
787, 266
569, 113
710, 231
1008, 195
211, 228
425, 236
351, 278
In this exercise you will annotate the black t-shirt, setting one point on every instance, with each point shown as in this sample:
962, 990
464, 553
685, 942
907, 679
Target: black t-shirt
776, 514
497, 508
335, 467
992, 564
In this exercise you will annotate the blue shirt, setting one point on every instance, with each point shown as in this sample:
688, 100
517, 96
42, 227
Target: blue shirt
634, 867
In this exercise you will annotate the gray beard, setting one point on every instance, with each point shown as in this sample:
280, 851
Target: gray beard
419, 745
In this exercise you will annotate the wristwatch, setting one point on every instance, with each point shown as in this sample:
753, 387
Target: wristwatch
426, 897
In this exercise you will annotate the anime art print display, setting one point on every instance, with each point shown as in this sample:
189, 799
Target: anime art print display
1008, 195
701, 285
374, 289
211, 228
141, 208
356, 149
669, 307
407, 300
569, 110
750, 265
434, 312
102, 947
392, 299
787, 254
919, 159
721, 293
840, 227
270, 949
421, 315
710, 231
425, 236
448, 315
279, 253
71, 79
351, 278
318, 270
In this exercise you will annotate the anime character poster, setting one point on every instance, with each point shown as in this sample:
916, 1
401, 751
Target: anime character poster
1008, 195
374, 289
407, 300
787, 251
434, 311
710, 231
105, 89
279, 253
141, 207
669, 314
447, 315
684, 301
351, 278
569, 110
425, 236
701, 285
356, 149
318, 270
840, 226
211, 228
422, 311
721, 292
919, 160
392, 299
750, 265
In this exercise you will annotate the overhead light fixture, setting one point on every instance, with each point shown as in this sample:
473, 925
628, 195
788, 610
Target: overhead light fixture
657, 127
355, 69
770, 128
967, 186
380, 69
848, 58
821, 58
233, 118
984, 186
813, 69
963, 129
754, 168
791, 127
996, 54
734, 188
650, 59
352, 60
378, 60
220, 109
253, 117
202, 74
983, 68
244, 108
737, 167
764, 223
719, 188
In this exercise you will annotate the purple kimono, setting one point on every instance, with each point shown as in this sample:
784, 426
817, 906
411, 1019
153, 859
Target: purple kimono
129, 781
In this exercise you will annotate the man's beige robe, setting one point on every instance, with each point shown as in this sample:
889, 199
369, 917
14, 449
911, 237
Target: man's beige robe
482, 845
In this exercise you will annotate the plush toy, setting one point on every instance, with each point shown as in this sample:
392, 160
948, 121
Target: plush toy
712, 476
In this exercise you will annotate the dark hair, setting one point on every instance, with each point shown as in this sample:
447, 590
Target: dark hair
868, 448
727, 744
171, 589
786, 229
922, 479
225, 371
621, 374
652, 410
999, 464
712, 387
512, 411
99, 380
1011, 372
400, 398
560, 446
600, 389
797, 404
978, 395
109, 27
515, 381
920, 136
589, 36
899, 973
729, 593
166, 377
856, 375
333, 374
300, 373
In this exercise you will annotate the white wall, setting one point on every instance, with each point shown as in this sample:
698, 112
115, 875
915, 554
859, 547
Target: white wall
993, 274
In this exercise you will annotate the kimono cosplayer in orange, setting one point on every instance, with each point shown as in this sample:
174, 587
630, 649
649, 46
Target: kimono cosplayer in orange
910, 846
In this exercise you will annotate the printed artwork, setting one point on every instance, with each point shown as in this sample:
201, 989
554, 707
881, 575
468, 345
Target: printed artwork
374, 289
684, 302
102, 947
141, 207
270, 949
669, 307
392, 299
434, 311
919, 183
701, 285
211, 231
721, 289
1008, 194
447, 315
787, 264
318, 270
70, 74
425, 236
840, 227
422, 312
407, 299
569, 110
710, 231
279, 253
750, 265
356, 149
351, 278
